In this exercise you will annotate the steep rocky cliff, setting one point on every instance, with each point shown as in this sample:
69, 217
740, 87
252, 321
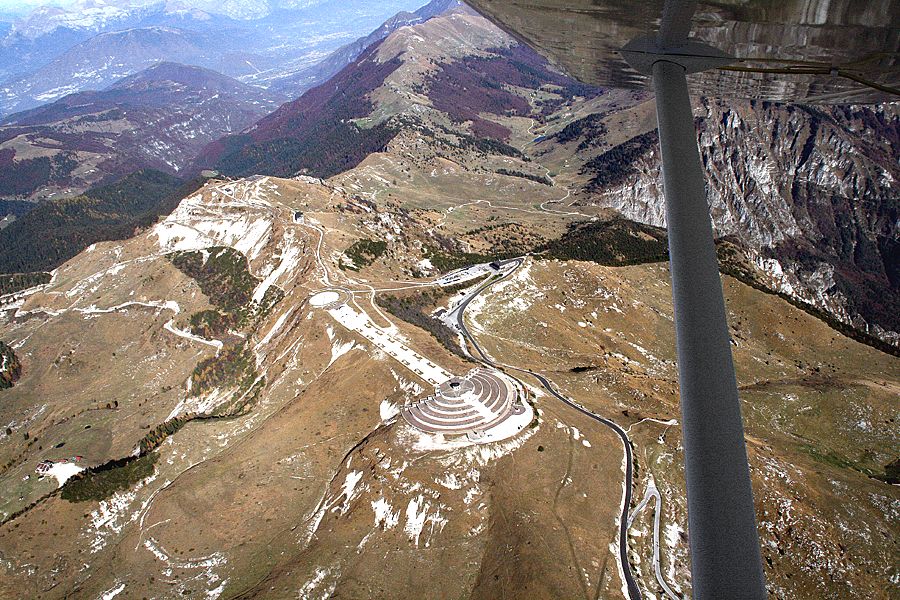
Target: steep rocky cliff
811, 192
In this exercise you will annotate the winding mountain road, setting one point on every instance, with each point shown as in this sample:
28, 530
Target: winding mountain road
458, 313
652, 492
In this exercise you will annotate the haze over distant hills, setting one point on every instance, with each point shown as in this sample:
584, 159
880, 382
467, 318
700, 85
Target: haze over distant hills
55, 51
87, 13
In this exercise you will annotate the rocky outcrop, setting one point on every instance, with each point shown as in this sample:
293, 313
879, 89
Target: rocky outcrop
10, 367
811, 192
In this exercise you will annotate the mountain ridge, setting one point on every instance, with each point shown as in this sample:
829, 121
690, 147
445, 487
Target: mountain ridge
159, 118
297, 83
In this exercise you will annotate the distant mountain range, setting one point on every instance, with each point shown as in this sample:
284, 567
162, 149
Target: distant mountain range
54, 52
159, 118
48, 33
33, 18
87, 66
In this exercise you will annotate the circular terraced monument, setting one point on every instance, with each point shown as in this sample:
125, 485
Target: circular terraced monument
473, 405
